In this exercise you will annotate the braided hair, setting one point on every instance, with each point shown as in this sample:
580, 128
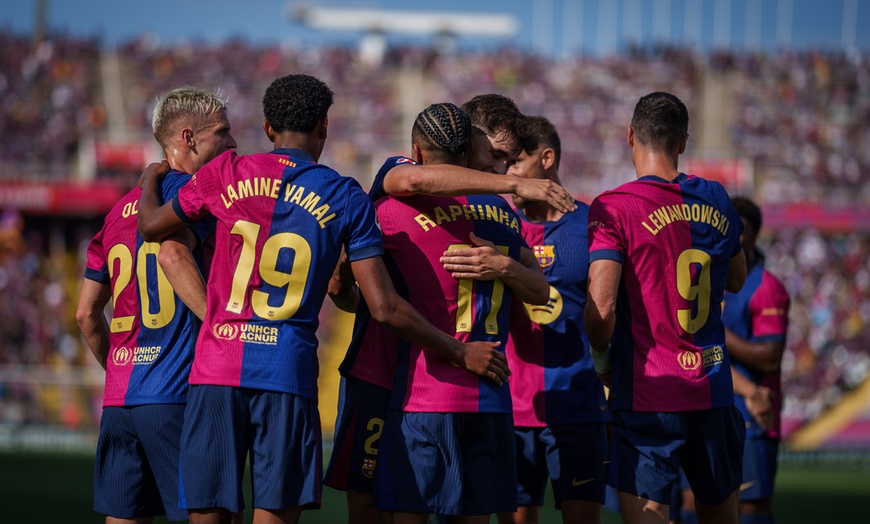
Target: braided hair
443, 130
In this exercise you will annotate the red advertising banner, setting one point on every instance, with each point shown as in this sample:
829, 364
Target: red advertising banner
65, 199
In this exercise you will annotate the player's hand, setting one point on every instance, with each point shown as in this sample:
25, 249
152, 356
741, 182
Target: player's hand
482, 358
545, 190
155, 171
482, 262
760, 406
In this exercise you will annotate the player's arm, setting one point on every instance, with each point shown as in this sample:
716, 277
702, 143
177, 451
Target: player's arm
484, 261
450, 180
342, 286
736, 273
759, 399
388, 308
176, 260
765, 357
92, 322
156, 222
599, 316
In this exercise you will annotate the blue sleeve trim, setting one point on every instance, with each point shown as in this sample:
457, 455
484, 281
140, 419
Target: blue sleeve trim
373, 250
178, 211
606, 254
96, 275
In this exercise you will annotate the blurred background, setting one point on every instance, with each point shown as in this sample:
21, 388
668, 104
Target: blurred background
778, 93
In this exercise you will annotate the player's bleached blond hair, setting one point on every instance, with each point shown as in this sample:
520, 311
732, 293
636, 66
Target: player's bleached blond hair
186, 105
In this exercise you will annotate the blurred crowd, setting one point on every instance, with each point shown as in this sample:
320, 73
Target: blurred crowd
800, 119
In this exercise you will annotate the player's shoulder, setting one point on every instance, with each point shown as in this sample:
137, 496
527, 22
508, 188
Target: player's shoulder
773, 284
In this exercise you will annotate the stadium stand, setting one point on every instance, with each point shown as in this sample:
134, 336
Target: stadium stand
797, 119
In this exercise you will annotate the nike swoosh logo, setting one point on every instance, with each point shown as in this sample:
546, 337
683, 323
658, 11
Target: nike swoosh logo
575, 482
747, 485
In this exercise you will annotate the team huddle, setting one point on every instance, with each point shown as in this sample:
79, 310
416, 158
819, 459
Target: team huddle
486, 334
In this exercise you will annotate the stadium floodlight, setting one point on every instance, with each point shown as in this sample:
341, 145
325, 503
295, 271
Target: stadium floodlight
415, 22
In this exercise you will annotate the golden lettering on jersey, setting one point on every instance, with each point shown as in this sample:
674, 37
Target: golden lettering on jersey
259, 334
772, 312
309, 201
700, 213
138, 355
713, 356
130, 209
249, 187
454, 212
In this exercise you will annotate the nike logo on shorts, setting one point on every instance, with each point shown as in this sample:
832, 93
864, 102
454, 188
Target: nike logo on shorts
575, 482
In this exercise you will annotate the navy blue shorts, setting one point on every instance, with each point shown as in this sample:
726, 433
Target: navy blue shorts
280, 431
447, 463
136, 467
647, 450
759, 468
362, 409
573, 456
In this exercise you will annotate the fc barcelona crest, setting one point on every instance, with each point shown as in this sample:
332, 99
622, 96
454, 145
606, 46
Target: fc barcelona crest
368, 468
546, 255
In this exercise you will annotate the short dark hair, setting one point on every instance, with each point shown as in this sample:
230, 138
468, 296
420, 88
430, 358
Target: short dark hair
296, 103
660, 121
544, 134
443, 129
493, 113
749, 210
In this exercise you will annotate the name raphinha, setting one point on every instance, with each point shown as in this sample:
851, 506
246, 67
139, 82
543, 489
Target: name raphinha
467, 212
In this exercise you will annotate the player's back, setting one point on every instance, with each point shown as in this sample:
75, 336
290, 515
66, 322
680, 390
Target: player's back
282, 221
675, 240
151, 332
417, 231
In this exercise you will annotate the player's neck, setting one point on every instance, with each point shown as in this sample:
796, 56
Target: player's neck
309, 144
541, 212
654, 163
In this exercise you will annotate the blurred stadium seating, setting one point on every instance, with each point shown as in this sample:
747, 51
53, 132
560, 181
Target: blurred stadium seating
76, 118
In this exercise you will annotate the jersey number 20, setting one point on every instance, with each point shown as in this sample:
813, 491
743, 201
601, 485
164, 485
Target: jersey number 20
120, 254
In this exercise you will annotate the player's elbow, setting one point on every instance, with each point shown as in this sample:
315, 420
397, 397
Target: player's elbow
86, 318
171, 254
385, 309
735, 282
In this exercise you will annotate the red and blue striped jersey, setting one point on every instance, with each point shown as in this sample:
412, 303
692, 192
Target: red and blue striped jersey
282, 220
417, 230
759, 313
151, 332
547, 349
675, 241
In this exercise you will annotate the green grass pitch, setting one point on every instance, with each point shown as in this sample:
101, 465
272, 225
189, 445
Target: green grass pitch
47, 488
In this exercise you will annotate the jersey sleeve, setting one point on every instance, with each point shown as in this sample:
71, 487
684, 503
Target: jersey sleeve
364, 236
377, 190
193, 199
96, 268
202, 229
768, 310
604, 234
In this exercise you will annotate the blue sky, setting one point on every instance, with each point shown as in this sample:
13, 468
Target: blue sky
550, 27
